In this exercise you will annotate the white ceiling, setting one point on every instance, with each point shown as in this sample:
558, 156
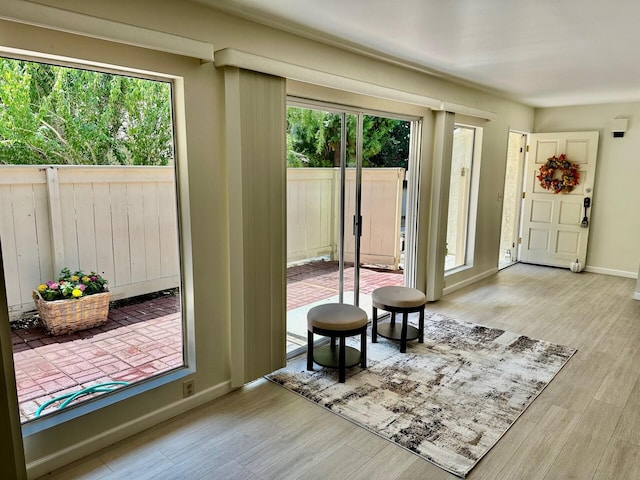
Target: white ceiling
540, 52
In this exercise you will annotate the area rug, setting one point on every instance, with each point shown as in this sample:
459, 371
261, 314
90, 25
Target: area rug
449, 400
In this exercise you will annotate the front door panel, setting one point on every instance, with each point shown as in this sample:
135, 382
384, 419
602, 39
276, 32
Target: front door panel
552, 233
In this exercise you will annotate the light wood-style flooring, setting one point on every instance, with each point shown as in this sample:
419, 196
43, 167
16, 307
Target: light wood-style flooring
585, 425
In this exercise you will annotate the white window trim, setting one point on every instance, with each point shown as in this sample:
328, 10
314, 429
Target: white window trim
473, 201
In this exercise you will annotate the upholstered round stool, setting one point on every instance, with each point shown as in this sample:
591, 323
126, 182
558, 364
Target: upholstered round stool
337, 320
398, 300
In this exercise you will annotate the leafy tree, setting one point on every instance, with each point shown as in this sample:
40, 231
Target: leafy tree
394, 151
313, 139
59, 115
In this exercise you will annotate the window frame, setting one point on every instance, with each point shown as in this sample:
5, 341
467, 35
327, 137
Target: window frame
178, 114
472, 201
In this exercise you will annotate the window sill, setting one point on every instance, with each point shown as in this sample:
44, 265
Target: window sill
455, 270
53, 419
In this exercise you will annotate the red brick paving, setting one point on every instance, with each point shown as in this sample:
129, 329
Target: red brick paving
138, 341
316, 281
143, 339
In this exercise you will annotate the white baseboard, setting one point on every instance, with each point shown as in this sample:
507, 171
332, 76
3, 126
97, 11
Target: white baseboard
636, 296
609, 271
91, 445
469, 281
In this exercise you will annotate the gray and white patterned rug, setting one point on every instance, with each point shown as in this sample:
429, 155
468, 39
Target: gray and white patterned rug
448, 400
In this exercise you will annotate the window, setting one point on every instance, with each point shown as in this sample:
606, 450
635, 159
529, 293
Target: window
105, 202
465, 161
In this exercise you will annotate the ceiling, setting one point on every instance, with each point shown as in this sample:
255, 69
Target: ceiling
542, 53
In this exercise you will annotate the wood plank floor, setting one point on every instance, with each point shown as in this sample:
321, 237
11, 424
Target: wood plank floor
585, 425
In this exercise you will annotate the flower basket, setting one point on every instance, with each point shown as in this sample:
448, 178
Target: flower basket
70, 315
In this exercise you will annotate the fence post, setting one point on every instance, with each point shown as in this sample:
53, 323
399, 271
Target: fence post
55, 218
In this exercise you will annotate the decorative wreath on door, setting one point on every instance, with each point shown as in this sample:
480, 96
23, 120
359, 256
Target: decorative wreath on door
569, 179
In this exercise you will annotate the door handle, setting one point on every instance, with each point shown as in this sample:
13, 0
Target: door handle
357, 225
585, 220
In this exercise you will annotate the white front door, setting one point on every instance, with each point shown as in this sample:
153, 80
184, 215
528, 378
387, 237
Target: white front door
554, 230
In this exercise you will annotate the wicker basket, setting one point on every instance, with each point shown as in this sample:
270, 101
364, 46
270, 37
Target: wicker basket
66, 316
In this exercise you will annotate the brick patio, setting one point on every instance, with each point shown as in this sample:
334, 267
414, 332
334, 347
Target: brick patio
316, 281
144, 339
138, 341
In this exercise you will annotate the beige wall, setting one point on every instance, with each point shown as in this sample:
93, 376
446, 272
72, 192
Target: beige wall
614, 236
205, 141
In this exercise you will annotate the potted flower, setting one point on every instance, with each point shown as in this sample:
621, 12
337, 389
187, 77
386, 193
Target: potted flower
74, 301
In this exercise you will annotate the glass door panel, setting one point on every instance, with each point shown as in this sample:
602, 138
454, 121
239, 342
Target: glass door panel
315, 224
350, 196
385, 159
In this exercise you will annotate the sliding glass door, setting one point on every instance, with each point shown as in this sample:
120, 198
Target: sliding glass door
346, 185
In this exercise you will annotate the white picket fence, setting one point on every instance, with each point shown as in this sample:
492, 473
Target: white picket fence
118, 221
122, 223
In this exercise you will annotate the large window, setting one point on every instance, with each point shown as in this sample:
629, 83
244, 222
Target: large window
462, 196
88, 183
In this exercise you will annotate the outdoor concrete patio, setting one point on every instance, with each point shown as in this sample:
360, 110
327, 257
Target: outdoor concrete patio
143, 339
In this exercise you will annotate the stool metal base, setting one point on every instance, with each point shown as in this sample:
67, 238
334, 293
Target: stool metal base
329, 356
401, 331
394, 332
337, 356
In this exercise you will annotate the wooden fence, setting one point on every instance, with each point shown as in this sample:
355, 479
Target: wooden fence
313, 220
118, 221
122, 223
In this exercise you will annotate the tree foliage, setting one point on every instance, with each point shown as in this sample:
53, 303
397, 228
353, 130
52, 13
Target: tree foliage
58, 115
314, 137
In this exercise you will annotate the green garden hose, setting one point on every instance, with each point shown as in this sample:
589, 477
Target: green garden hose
67, 398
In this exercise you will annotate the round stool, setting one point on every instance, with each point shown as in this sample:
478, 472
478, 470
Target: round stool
398, 300
341, 321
